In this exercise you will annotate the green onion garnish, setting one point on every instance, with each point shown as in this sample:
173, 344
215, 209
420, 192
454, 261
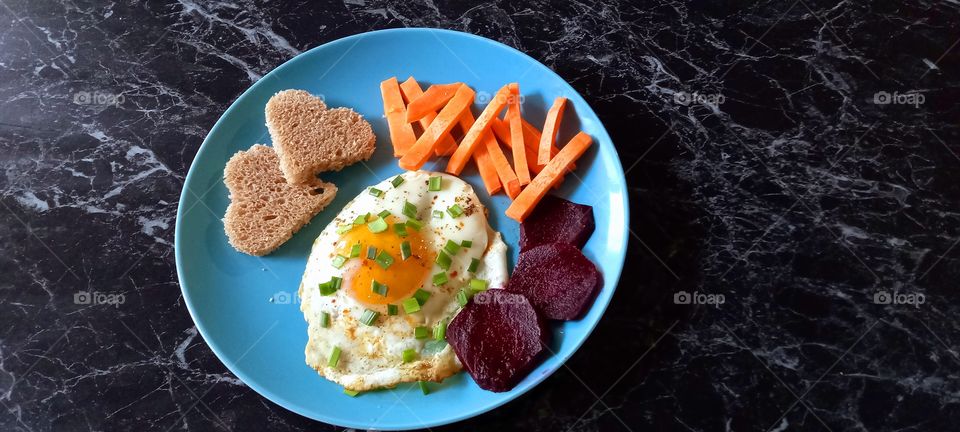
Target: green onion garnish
342, 229
409, 210
478, 284
405, 250
336, 282
466, 243
378, 288
440, 278
409, 355
400, 229
451, 247
334, 357
463, 298
350, 393
440, 331
371, 252
474, 263
437, 214
423, 387
327, 288
376, 192
384, 214
378, 225
384, 259
338, 261
421, 332
324, 319
392, 310
421, 296
455, 211
355, 250
411, 305
397, 181
443, 260
369, 316
362, 219
415, 224
435, 183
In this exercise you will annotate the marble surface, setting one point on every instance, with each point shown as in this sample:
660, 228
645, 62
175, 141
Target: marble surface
796, 160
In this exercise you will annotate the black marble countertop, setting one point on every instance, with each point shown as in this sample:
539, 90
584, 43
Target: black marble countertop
796, 160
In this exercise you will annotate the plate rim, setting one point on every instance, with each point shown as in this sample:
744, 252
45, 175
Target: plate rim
282, 401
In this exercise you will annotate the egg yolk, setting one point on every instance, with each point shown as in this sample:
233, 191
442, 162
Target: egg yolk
402, 278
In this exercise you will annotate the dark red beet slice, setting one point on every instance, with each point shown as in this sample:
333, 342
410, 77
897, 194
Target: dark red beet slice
558, 280
498, 337
556, 220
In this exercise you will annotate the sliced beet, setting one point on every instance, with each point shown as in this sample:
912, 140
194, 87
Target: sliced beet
558, 280
556, 220
498, 338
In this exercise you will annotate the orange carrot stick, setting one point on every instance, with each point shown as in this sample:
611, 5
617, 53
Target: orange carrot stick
502, 130
424, 147
488, 172
534, 192
411, 91
507, 176
401, 134
516, 136
550, 127
431, 101
469, 142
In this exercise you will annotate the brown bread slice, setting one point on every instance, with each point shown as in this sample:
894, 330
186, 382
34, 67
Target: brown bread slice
264, 209
309, 138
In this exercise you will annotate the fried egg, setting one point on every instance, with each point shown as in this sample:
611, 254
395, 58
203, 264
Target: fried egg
384, 278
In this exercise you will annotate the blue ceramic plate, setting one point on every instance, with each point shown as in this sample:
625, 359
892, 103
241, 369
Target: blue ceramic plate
246, 307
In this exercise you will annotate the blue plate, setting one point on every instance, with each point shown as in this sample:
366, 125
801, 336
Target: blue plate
246, 307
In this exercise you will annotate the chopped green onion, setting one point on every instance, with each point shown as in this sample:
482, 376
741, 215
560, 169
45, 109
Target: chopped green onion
336, 282
327, 288
397, 181
384, 214
435, 183
409, 355
378, 225
369, 316
350, 393
437, 214
478, 284
443, 260
463, 298
376, 192
324, 319
474, 263
440, 331
421, 332
451, 247
355, 250
440, 278
405, 250
392, 310
342, 229
423, 387
384, 259
411, 305
378, 288
415, 224
466, 243
409, 210
371, 252
338, 261
421, 296
455, 211
362, 219
400, 229
334, 357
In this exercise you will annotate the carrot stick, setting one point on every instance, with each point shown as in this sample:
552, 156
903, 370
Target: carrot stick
488, 172
516, 136
424, 147
435, 98
534, 192
411, 90
469, 142
401, 133
550, 127
502, 130
507, 177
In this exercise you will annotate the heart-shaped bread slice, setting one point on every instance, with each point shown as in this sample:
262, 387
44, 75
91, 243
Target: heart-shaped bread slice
310, 138
264, 209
